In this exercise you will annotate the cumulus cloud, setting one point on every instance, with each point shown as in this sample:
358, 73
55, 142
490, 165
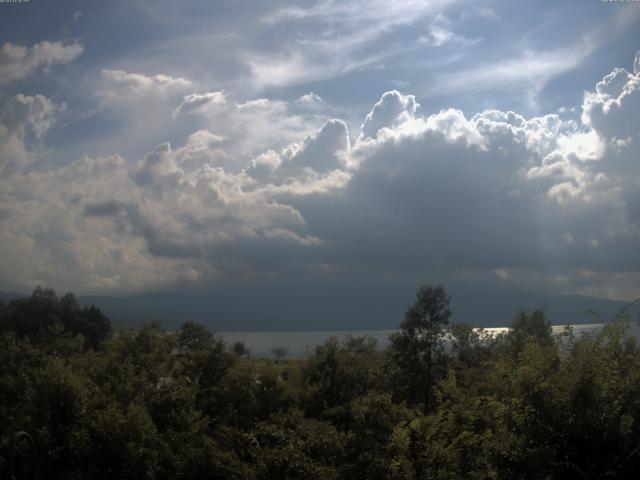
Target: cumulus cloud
60, 230
391, 110
17, 62
23, 120
310, 100
203, 147
492, 192
326, 150
261, 124
311, 104
99, 218
319, 163
496, 189
141, 106
612, 109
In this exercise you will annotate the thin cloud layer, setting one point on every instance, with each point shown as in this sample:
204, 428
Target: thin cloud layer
120, 86
196, 101
18, 62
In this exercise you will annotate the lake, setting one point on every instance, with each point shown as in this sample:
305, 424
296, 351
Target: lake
299, 343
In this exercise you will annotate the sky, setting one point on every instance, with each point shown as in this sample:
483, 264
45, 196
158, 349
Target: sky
320, 146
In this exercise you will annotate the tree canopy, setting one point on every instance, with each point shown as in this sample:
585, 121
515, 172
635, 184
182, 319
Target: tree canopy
155, 404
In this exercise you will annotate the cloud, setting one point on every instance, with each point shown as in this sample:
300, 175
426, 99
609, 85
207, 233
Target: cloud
100, 224
440, 33
203, 147
18, 62
261, 124
530, 71
613, 108
338, 44
319, 163
496, 190
23, 121
62, 229
195, 102
534, 198
327, 150
103, 208
528, 68
310, 103
310, 99
392, 109
119, 86
137, 108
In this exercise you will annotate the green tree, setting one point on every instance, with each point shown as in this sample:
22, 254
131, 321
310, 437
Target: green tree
529, 328
280, 353
194, 336
370, 444
336, 373
43, 316
240, 349
292, 446
413, 350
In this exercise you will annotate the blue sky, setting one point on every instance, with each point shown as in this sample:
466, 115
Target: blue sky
182, 145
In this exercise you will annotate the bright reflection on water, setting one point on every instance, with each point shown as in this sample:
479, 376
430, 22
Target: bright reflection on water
299, 343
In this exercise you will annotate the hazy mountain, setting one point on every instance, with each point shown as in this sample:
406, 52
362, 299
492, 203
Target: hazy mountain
8, 296
224, 313
355, 309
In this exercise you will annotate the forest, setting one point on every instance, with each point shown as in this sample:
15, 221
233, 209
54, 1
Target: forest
442, 401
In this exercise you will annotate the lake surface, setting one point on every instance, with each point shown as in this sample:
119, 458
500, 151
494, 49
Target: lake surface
299, 343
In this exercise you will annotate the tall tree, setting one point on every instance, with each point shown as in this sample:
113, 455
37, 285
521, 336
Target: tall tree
414, 347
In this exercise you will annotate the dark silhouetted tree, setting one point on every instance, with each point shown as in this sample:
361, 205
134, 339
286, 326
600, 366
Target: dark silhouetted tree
280, 353
529, 328
414, 348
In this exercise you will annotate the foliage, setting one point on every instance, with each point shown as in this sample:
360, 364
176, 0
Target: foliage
417, 347
147, 403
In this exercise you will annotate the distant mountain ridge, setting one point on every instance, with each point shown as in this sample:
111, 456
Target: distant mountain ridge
491, 307
8, 296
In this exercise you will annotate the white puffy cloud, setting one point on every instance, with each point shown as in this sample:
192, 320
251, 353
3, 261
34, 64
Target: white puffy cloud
63, 227
319, 163
103, 224
140, 107
310, 100
23, 120
391, 110
158, 170
203, 147
612, 110
327, 150
257, 125
499, 189
17, 62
